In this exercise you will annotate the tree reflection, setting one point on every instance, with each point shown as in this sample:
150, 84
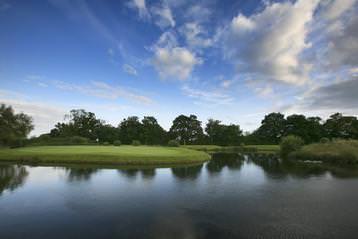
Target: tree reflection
190, 172
80, 174
222, 160
132, 173
12, 177
274, 167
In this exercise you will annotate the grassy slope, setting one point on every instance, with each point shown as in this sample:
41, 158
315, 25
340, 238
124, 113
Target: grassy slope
338, 152
104, 155
256, 148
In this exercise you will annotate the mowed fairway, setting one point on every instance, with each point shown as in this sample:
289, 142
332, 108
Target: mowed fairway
123, 155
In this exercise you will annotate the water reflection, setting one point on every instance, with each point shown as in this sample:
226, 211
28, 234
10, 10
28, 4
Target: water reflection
221, 160
12, 177
190, 172
132, 173
274, 167
80, 173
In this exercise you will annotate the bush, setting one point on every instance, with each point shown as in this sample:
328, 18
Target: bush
106, 143
173, 143
339, 152
324, 140
78, 140
135, 142
18, 143
117, 143
290, 144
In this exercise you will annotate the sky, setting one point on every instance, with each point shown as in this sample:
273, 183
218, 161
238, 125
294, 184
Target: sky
234, 61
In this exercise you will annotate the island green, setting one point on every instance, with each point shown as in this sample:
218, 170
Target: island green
123, 155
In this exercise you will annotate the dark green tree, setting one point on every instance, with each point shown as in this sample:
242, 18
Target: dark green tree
272, 128
339, 126
221, 134
13, 127
153, 133
80, 123
107, 133
130, 129
186, 129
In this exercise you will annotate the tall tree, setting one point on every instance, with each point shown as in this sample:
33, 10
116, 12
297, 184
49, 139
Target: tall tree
272, 128
153, 133
339, 126
221, 134
13, 126
80, 123
187, 130
130, 129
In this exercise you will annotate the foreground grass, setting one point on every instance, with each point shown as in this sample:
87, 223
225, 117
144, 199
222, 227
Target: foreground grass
123, 155
336, 152
245, 148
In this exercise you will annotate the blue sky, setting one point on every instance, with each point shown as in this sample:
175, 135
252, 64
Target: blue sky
230, 60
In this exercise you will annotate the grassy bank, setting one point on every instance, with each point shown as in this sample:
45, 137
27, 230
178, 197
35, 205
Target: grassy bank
336, 152
245, 148
123, 155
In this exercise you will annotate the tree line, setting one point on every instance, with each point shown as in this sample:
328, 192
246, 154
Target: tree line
83, 125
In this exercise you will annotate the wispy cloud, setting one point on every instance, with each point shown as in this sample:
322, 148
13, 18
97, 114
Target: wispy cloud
129, 69
207, 97
103, 90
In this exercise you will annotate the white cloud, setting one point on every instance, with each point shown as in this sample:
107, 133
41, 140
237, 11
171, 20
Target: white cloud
141, 6
269, 44
167, 40
129, 69
340, 34
226, 83
45, 116
198, 13
103, 90
207, 97
195, 35
176, 63
335, 8
163, 16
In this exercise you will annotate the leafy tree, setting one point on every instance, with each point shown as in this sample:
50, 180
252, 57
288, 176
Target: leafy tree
212, 129
187, 130
272, 128
221, 134
339, 126
130, 129
107, 133
13, 127
80, 123
309, 129
153, 133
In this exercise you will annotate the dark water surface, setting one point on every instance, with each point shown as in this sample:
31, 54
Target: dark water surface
232, 196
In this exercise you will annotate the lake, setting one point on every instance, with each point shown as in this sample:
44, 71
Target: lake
232, 196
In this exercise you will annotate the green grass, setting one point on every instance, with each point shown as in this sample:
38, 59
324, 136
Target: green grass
123, 155
207, 148
264, 148
336, 152
245, 148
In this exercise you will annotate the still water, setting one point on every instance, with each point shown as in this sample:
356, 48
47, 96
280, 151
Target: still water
232, 196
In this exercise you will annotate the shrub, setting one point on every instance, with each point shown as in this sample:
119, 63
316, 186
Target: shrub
106, 143
78, 140
324, 140
117, 143
17, 143
290, 144
173, 143
340, 152
135, 142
